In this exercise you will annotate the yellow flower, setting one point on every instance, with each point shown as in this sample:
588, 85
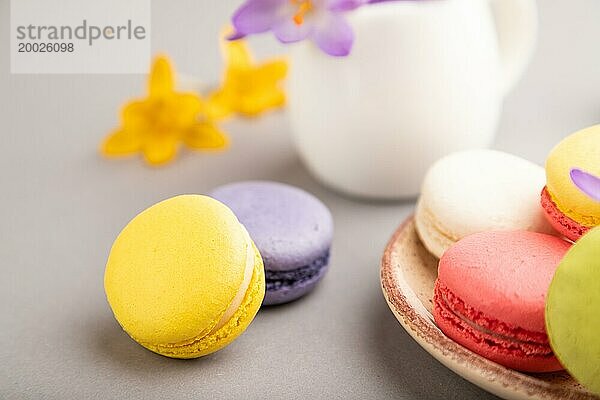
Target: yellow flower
157, 124
247, 88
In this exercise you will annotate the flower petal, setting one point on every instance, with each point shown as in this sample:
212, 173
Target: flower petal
345, 5
235, 36
334, 35
161, 80
587, 183
188, 105
261, 102
257, 16
205, 135
220, 104
288, 31
134, 116
121, 143
159, 149
273, 71
236, 54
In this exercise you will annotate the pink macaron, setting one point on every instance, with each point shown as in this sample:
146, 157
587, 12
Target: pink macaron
490, 296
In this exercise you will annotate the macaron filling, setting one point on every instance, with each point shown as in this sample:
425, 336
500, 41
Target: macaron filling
513, 347
434, 235
239, 297
277, 280
560, 220
491, 331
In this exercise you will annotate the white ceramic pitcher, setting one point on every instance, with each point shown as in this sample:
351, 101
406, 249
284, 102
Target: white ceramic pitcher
425, 78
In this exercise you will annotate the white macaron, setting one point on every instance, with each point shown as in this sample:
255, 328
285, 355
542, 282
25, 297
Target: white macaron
475, 191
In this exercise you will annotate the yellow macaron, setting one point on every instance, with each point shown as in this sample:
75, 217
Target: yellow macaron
570, 210
183, 278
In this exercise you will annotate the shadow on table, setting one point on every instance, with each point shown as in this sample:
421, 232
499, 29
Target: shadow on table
112, 346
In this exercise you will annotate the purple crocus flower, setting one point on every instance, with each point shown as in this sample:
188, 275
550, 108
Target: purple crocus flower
587, 183
321, 21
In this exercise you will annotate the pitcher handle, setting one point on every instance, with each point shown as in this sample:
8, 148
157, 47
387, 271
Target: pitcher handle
516, 23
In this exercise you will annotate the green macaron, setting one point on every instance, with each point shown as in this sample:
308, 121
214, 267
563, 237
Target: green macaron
572, 311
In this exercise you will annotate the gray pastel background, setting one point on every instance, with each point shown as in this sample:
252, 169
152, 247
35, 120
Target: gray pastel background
62, 205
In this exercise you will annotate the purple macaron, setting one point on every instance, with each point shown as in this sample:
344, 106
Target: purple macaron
292, 229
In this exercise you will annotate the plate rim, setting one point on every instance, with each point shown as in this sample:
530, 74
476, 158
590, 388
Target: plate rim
492, 377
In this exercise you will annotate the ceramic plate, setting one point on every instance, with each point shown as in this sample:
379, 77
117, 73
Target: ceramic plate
408, 273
